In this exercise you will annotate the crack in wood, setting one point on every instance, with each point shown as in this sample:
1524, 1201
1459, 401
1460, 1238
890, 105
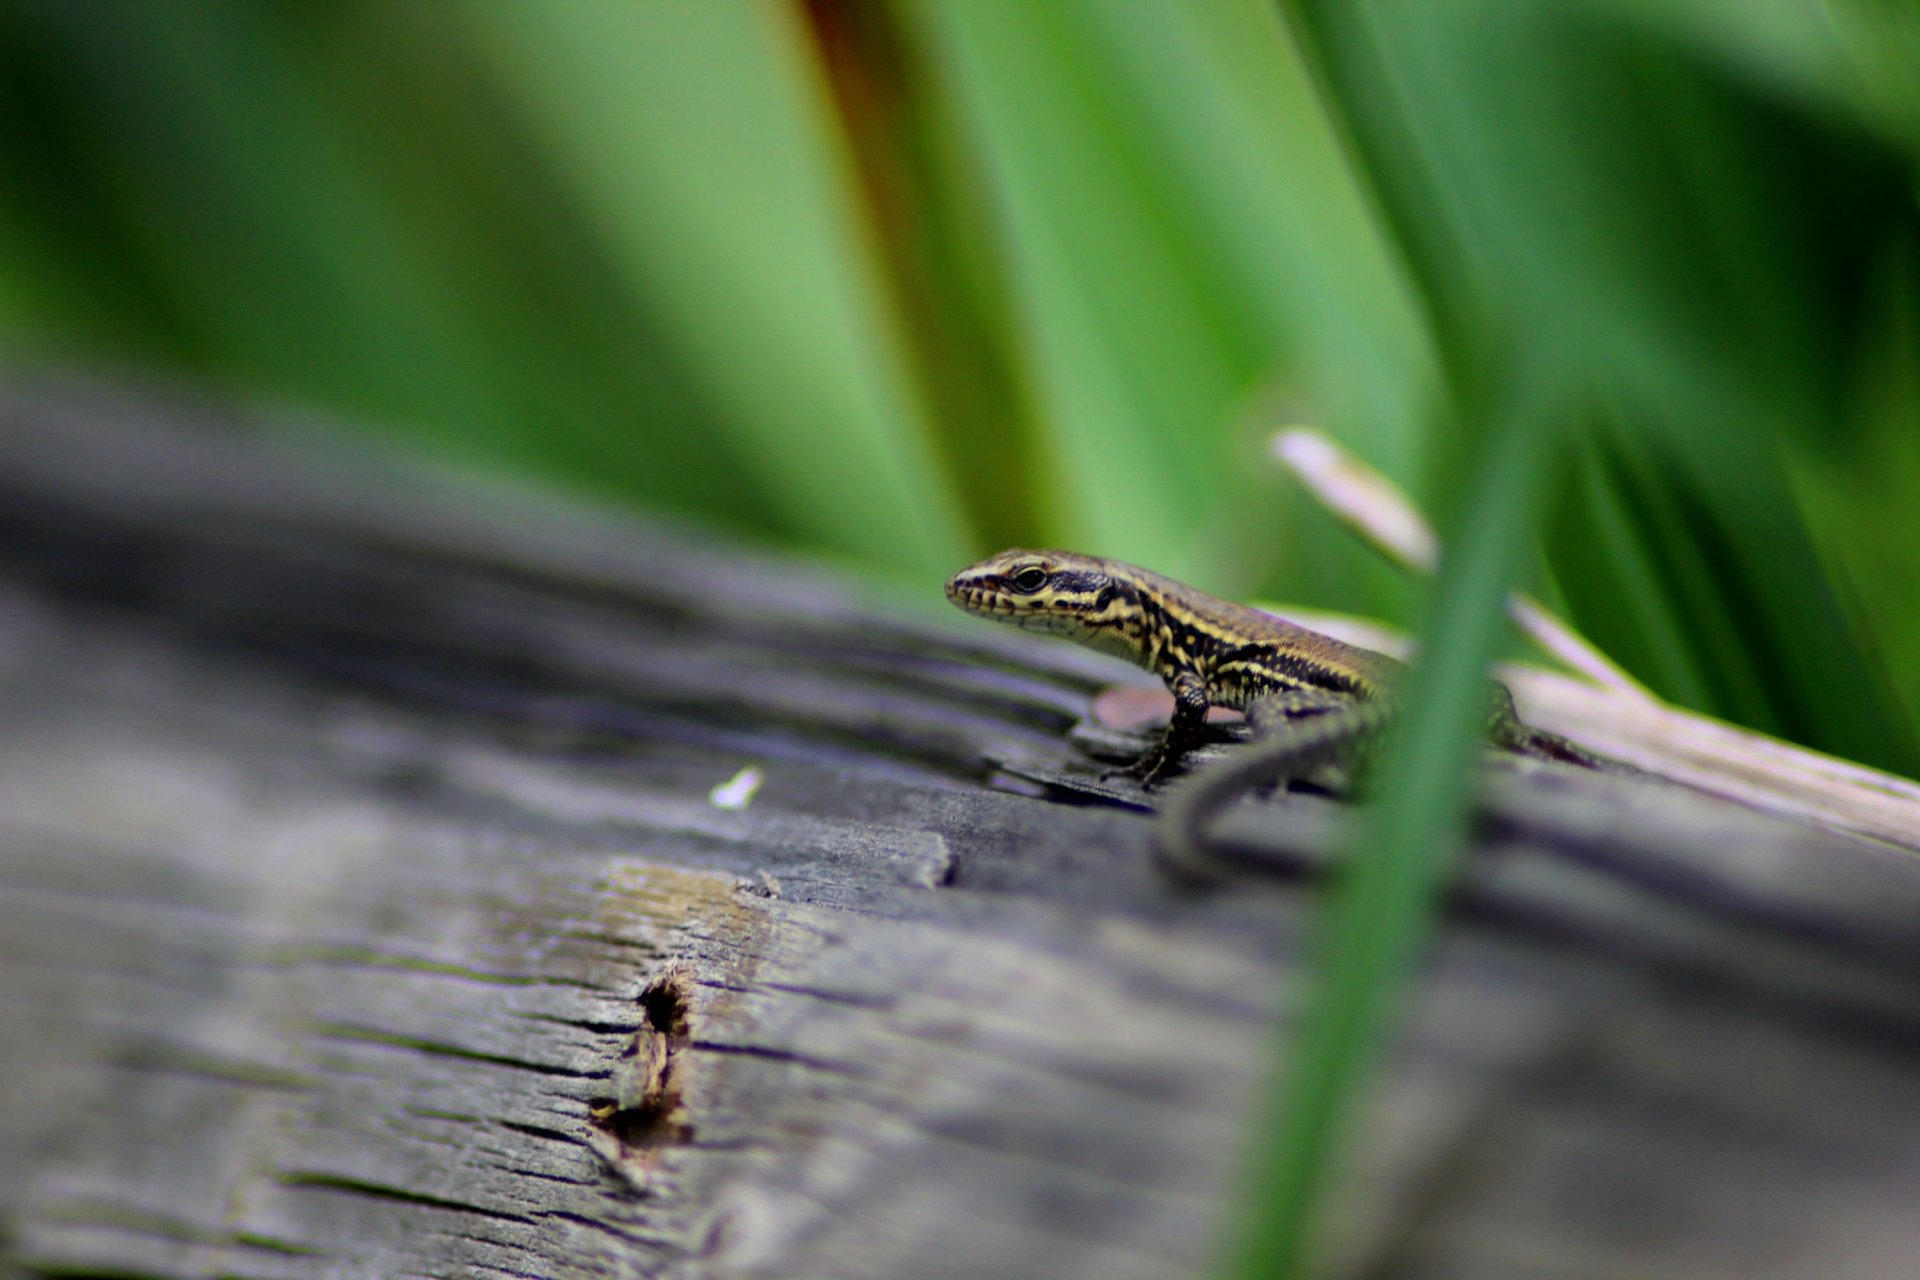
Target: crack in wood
401, 1195
438, 1049
773, 1053
603, 1227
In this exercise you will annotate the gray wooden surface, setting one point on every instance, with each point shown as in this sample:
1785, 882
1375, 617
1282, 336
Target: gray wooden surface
364, 912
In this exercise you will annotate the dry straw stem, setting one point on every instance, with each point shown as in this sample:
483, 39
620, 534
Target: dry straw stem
1606, 709
1375, 508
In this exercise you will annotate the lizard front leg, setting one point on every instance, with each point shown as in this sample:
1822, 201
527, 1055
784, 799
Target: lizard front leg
1184, 731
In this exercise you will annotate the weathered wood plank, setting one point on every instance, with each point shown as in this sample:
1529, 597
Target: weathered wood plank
363, 912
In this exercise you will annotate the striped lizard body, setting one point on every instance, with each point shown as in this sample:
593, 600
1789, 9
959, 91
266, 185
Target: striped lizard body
1310, 698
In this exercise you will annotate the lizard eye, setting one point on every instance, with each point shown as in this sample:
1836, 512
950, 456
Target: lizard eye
1028, 581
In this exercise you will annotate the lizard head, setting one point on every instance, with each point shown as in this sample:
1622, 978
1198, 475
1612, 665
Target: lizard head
1059, 592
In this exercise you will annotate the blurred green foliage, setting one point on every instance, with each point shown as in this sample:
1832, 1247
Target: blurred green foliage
908, 281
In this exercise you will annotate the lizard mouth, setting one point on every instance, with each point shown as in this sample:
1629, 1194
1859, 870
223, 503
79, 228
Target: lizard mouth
985, 602
977, 599
998, 605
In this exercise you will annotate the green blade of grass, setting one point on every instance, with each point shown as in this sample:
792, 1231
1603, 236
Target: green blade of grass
1382, 909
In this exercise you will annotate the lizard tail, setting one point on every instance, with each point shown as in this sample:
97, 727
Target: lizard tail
1551, 746
1290, 749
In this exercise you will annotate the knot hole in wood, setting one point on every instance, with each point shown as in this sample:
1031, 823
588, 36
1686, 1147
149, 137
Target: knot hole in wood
645, 1111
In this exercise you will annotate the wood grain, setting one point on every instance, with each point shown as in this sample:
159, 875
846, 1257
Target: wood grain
363, 913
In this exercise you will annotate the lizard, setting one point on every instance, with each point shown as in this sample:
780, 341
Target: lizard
1310, 698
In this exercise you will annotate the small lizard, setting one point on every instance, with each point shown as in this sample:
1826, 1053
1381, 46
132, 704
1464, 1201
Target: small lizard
1310, 698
